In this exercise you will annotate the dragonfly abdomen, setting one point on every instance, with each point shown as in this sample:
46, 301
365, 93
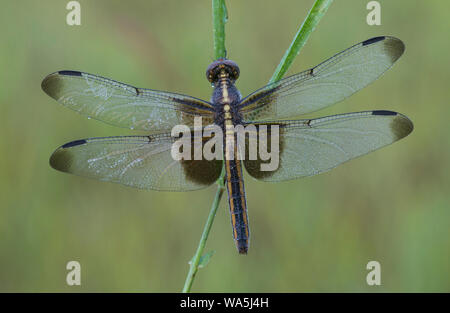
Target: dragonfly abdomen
236, 199
225, 99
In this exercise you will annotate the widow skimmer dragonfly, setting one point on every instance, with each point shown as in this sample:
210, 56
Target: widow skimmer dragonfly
306, 146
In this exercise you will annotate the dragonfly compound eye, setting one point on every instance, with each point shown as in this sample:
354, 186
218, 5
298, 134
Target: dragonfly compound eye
220, 65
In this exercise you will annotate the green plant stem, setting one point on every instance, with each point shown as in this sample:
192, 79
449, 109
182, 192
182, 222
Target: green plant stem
194, 264
219, 19
316, 13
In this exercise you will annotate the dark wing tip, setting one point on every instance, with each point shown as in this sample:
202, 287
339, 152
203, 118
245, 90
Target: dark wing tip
394, 46
401, 126
69, 73
52, 83
383, 112
74, 143
373, 40
62, 158
46, 82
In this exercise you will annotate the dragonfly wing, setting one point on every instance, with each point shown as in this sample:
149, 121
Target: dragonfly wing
325, 84
123, 105
310, 147
144, 162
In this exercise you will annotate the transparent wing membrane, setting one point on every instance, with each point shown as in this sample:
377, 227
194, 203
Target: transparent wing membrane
138, 161
325, 84
123, 105
310, 147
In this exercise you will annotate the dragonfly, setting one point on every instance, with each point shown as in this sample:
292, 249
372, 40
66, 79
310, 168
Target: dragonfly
306, 146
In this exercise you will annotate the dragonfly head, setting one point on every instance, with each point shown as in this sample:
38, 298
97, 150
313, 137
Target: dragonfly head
222, 68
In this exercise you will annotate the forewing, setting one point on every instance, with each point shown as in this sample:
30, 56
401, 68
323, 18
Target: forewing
310, 147
138, 161
123, 105
325, 84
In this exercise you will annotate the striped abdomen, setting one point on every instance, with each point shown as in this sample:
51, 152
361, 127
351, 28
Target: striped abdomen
226, 96
236, 190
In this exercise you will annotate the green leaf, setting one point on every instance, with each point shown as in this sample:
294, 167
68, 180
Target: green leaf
204, 260
316, 13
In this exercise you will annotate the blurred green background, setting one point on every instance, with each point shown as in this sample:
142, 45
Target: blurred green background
314, 234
